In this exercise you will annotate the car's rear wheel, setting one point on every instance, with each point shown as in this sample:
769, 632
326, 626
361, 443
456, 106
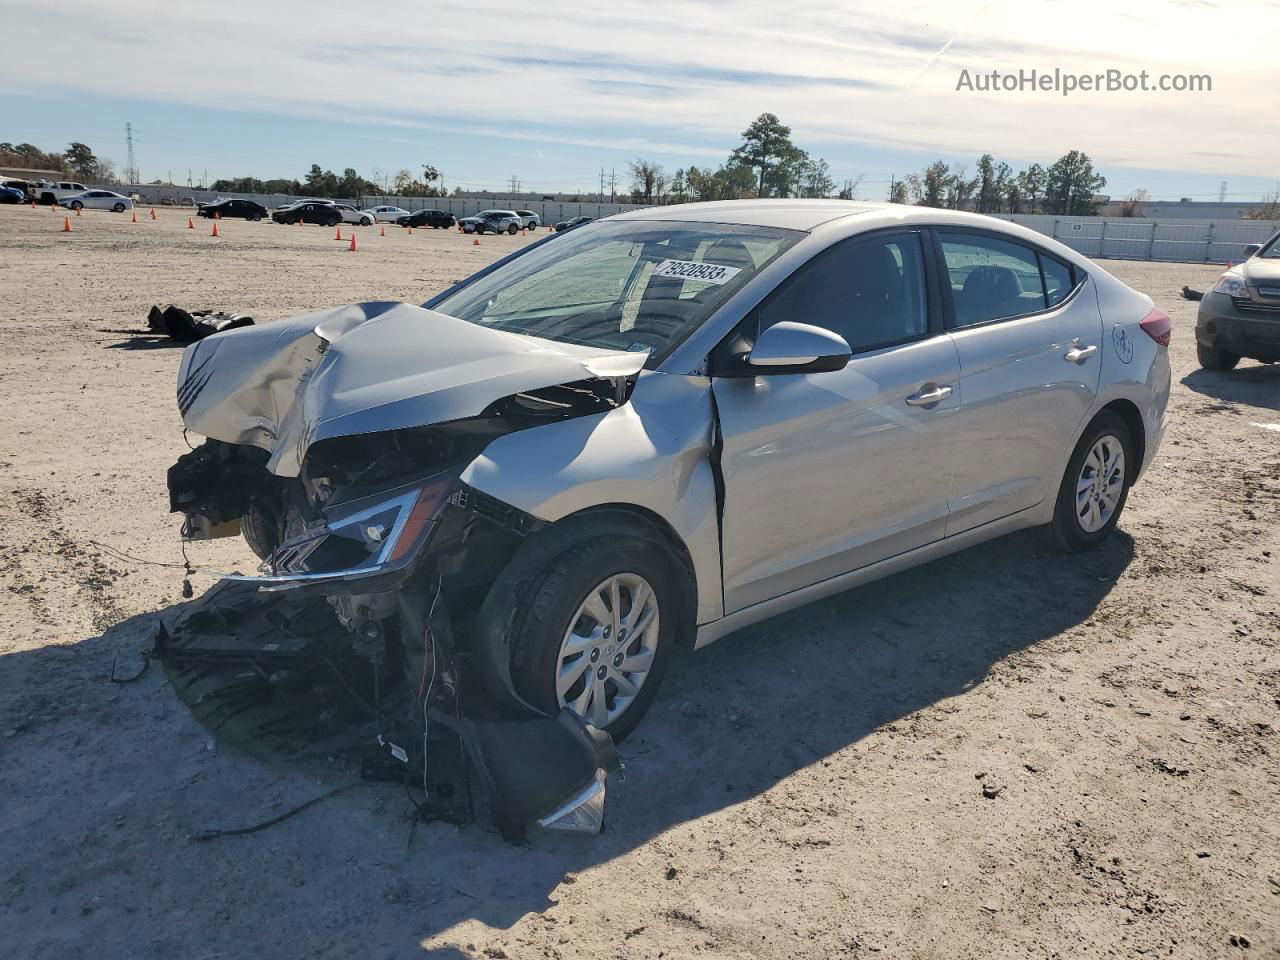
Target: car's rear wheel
256, 217
596, 631
1212, 359
1095, 486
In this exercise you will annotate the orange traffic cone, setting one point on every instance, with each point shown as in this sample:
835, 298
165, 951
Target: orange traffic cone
79, 210
337, 233
217, 214
475, 242
382, 232
411, 231
33, 204
215, 228
550, 228
66, 224
135, 217
153, 213
352, 248
190, 225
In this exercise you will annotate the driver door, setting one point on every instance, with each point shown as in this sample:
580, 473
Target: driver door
828, 472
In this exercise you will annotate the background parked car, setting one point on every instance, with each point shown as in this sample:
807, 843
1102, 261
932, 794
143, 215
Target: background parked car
187, 202
1240, 315
386, 214
427, 218
491, 221
309, 211
12, 195
97, 200
248, 209
351, 215
528, 219
572, 222
49, 192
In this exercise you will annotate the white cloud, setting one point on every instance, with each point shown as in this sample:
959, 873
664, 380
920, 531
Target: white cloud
687, 77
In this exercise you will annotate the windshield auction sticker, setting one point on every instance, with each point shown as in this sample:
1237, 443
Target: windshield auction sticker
691, 270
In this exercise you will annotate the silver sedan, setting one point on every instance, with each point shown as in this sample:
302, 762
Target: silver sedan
669, 424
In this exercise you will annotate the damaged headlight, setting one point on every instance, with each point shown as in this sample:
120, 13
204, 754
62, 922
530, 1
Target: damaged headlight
373, 535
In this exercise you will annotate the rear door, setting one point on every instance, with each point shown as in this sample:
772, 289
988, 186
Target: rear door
1029, 337
827, 472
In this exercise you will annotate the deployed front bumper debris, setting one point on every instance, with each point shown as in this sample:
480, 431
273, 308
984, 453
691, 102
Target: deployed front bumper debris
189, 326
280, 673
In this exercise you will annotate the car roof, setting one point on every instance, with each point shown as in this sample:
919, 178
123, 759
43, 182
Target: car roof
790, 214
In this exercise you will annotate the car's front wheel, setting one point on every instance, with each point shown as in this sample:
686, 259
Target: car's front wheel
596, 631
513, 229
1212, 359
1095, 486
366, 221
118, 208
76, 205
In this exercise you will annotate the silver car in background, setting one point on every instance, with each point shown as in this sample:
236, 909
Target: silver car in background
666, 425
492, 221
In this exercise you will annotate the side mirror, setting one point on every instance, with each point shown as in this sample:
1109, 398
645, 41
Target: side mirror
1250, 249
790, 347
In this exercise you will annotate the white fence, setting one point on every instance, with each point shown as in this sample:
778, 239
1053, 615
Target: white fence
1123, 238
1102, 238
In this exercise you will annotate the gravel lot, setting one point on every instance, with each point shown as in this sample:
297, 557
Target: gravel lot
815, 786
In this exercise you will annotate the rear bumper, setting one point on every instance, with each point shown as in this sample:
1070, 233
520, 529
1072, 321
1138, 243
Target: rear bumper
1222, 325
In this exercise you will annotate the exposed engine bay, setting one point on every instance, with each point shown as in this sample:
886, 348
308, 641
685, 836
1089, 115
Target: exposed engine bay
379, 617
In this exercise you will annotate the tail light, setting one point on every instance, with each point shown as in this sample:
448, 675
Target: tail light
1157, 326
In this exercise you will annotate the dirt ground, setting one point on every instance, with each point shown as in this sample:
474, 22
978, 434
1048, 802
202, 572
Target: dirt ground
812, 787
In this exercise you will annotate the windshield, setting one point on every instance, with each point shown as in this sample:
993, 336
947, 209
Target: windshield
639, 285
1272, 250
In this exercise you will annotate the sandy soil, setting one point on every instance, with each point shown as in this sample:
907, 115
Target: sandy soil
812, 787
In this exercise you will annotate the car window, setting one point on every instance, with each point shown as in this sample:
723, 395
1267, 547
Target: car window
1057, 279
625, 286
991, 278
871, 291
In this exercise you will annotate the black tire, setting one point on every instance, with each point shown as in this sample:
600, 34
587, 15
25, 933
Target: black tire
76, 205
1212, 359
1066, 529
256, 217
118, 208
543, 618
366, 222
513, 229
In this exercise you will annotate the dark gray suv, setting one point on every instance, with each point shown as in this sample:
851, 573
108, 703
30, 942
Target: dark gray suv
1240, 316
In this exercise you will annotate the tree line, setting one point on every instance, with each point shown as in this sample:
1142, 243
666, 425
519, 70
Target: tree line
77, 160
768, 164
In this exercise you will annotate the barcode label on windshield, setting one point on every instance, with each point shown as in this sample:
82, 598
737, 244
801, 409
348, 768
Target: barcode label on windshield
691, 270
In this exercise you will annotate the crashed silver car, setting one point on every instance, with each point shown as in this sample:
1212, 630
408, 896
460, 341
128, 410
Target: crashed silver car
515, 502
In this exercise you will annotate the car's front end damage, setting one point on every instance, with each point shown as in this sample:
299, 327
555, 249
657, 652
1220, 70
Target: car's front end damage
381, 609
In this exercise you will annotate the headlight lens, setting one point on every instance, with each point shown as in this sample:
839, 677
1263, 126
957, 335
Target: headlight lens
377, 534
1232, 284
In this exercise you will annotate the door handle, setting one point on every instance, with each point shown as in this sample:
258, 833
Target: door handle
1079, 354
929, 394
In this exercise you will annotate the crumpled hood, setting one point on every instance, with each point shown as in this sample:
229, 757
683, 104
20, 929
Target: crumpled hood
366, 368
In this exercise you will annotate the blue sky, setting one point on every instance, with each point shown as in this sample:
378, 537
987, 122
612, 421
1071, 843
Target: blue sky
487, 90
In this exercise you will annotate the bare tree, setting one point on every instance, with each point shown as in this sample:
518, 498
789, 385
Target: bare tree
648, 180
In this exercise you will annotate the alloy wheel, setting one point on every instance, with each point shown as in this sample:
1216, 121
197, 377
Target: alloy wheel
1100, 484
607, 653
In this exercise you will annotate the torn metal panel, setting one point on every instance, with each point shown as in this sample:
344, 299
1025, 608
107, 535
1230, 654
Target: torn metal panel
366, 368
654, 453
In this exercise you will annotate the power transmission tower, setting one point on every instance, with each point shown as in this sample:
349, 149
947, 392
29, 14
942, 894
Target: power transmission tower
1222, 191
514, 185
131, 169
602, 184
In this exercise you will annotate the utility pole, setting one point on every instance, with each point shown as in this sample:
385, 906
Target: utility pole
613, 185
893, 182
1222, 192
602, 184
132, 170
